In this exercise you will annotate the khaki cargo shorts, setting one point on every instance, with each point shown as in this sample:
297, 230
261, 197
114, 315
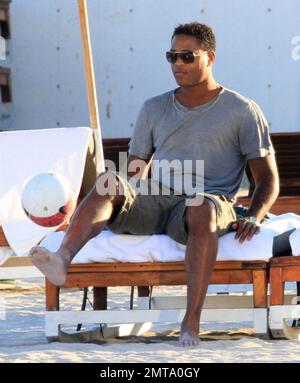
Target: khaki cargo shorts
162, 214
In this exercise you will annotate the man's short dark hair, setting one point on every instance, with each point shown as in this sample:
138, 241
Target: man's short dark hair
202, 32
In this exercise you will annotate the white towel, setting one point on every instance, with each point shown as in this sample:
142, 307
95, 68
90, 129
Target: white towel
23, 154
109, 247
261, 245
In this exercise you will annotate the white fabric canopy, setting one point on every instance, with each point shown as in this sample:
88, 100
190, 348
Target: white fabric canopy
24, 154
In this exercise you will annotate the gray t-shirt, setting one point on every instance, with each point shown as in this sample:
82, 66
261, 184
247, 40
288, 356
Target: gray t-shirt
224, 133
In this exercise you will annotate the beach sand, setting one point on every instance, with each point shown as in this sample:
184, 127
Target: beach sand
22, 337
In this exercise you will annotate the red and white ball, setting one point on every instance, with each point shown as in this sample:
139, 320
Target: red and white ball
48, 199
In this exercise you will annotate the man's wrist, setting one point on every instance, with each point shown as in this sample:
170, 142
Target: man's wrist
252, 219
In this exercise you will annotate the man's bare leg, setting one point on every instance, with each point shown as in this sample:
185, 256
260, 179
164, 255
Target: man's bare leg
89, 220
201, 253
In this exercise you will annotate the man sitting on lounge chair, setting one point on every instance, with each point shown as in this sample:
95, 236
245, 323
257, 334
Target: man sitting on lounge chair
199, 120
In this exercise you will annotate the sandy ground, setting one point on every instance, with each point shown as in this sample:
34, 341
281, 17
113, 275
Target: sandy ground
22, 337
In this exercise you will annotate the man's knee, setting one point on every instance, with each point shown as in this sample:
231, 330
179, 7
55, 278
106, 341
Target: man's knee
108, 188
108, 185
201, 217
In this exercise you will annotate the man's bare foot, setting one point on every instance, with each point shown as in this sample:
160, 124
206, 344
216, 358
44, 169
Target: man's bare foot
189, 339
52, 265
189, 333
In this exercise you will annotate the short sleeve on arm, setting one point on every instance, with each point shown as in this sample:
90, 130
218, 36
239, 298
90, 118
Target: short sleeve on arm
254, 135
141, 143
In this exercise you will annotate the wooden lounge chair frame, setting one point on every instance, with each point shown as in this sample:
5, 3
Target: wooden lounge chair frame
103, 275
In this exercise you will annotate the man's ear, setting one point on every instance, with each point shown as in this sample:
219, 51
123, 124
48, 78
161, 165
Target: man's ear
211, 57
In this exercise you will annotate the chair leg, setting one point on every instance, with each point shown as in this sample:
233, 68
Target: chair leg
276, 286
100, 298
52, 296
260, 285
143, 291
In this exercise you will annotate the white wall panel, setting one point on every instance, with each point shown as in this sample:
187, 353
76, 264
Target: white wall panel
254, 57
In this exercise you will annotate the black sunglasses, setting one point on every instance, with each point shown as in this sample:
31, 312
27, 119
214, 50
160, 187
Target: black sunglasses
188, 57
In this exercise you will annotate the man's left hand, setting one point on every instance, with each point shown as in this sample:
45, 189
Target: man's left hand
244, 229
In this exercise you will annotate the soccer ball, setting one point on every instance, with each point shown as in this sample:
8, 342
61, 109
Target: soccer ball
48, 199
